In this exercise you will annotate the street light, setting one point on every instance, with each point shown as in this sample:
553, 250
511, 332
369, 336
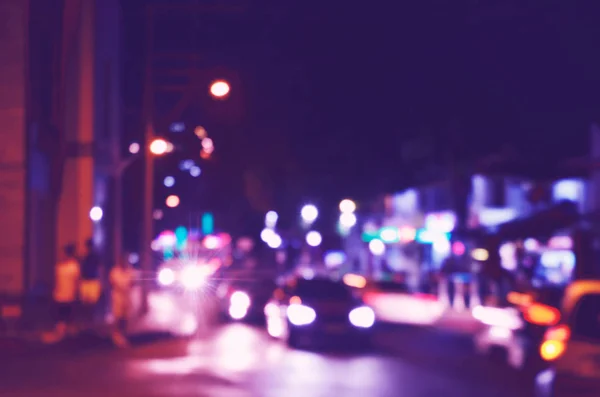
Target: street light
219, 89
159, 146
309, 213
347, 206
134, 148
347, 220
313, 238
172, 201
271, 219
96, 214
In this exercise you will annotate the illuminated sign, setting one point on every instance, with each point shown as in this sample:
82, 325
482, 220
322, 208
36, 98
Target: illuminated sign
496, 216
442, 222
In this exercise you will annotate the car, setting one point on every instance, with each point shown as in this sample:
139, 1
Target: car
514, 333
572, 348
185, 275
244, 300
310, 311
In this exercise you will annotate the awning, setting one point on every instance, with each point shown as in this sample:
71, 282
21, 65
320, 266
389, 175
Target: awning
543, 223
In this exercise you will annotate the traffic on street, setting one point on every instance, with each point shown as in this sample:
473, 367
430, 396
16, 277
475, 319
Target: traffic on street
243, 360
304, 199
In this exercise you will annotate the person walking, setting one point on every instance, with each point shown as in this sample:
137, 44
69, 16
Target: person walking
121, 280
90, 287
65, 290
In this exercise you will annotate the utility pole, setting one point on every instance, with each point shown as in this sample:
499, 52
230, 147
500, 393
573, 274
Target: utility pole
148, 197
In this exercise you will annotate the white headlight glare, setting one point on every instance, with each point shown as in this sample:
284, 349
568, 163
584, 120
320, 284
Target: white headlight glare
192, 277
240, 299
362, 317
166, 277
300, 314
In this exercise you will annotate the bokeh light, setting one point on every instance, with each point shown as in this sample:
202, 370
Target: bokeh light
134, 148
172, 201
219, 89
347, 206
195, 171
96, 214
159, 146
169, 181
309, 213
313, 238
200, 132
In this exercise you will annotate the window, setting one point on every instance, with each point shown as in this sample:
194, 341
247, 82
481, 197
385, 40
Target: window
586, 318
323, 289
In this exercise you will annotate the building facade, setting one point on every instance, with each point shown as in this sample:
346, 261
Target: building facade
60, 70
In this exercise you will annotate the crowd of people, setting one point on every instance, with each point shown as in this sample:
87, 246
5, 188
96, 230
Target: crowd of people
82, 292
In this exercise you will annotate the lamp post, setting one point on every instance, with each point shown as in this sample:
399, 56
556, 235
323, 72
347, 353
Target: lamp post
147, 114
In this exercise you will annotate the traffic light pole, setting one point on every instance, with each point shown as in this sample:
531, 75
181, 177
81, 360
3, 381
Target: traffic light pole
148, 197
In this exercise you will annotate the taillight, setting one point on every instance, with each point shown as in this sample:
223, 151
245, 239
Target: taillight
555, 342
540, 314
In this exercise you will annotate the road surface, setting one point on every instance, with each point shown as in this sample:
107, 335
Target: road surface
238, 360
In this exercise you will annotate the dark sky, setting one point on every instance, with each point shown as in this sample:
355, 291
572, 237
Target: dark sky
326, 96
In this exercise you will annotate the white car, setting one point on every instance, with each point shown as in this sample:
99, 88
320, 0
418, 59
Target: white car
185, 274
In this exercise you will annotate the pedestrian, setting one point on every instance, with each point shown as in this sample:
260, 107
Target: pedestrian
121, 280
90, 287
65, 289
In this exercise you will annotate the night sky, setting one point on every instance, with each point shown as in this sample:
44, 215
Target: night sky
331, 101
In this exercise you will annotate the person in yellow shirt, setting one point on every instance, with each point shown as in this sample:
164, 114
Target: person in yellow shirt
66, 288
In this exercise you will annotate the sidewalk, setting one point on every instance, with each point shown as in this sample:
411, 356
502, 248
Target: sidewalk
167, 316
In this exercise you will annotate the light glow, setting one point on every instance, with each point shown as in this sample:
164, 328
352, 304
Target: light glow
309, 213
159, 146
96, 214
166, 277
362, 317
377, 247
347, 206
313, 238
193, 278
172, 201
300, 315
219, 89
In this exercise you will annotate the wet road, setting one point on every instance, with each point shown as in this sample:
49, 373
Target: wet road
239, 360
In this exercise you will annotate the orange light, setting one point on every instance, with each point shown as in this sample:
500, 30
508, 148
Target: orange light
407, 234
159, 147
519, 299
550, 350
278, 294
295, 300
200, 132
172, 201
561, 333
219, 89
204, 154
354, 280
540, 314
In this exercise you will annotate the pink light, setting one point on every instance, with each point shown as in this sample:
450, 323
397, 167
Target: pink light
212, 242
458, 248
561, 243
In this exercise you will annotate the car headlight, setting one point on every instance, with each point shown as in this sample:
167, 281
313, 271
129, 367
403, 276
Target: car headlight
300, 315
192, 277
166, 277
362, 317
240, 299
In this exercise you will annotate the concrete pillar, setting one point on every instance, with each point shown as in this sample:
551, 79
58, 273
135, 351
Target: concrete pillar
13, 157
74, 225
